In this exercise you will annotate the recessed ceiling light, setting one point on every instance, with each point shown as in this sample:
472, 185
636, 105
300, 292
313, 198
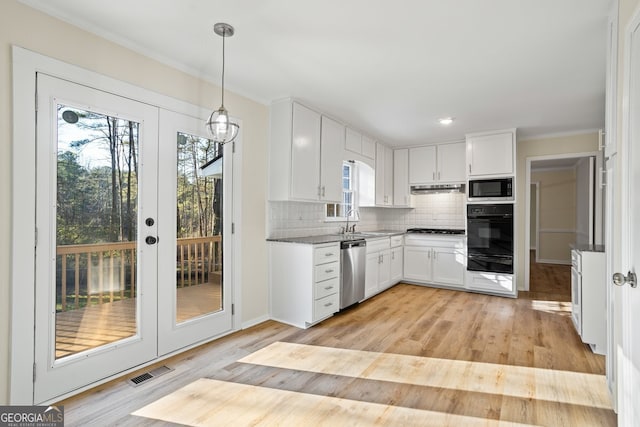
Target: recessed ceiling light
446, 120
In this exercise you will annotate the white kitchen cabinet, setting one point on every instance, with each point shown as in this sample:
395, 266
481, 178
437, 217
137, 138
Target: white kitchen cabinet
435, 260
305, 161
588, 298
422, 165
305, 153
368, 147
304, 282
396, 265
353, 141
378, 266
451, 161
331, 142
384, 175
401, 177
491, 283
360, 144
491, 153
442, 163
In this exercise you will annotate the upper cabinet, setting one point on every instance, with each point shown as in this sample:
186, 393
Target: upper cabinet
305, 156
442, 163
384, 175
401, 177
491, 153
360, 144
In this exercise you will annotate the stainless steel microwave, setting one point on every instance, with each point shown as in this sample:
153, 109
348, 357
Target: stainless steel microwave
491, 189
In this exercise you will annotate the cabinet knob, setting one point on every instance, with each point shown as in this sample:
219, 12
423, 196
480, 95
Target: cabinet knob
620, 279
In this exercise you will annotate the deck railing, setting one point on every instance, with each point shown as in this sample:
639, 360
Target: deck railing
105, 272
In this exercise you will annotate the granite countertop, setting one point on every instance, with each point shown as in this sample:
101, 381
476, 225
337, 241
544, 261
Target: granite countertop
334, 238
585, 247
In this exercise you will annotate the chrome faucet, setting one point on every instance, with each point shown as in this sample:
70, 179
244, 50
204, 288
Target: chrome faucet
353, 227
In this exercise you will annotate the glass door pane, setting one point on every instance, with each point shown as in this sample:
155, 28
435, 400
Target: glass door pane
96, 229
199, 227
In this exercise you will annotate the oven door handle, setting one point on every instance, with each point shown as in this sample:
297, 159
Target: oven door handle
506, 260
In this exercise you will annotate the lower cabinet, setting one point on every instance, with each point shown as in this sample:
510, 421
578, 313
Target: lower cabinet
433, 260
396, 265
378, 267
588, 298
492, 283
304, 282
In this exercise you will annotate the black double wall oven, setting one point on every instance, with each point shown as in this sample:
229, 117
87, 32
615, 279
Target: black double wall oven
490, 238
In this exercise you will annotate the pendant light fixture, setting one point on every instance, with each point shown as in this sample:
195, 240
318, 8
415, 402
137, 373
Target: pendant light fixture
221, 129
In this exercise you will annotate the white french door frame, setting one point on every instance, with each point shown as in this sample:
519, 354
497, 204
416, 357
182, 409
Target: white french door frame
25, 65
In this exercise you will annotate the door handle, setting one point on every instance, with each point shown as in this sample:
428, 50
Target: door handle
620, 279
150, 240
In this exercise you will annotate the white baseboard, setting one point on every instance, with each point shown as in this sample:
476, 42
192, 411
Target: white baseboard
255, 321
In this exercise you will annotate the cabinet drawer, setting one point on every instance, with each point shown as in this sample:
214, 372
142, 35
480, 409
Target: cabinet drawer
327, 287
326, 306
326, 271
326, 254
490, 282
377, 245
396, 241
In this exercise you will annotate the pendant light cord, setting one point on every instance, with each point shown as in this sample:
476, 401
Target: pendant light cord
224, 36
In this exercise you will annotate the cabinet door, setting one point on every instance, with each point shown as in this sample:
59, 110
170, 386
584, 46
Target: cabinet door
417, 263
371, 274
422, 165
401, 177
353, 141
396, 265
388, 176
451, 162
368, 147
448, 266
305, 154
331, 143
490, 154
384, 270
380, 163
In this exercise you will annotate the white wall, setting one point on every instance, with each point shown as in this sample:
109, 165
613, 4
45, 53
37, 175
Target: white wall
25, 27
584, 209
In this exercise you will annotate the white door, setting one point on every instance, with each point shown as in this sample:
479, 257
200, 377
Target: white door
448, 266
628, 354
417, 263
95, 292
194, 295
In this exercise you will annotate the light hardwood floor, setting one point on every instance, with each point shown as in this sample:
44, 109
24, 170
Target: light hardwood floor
466, 329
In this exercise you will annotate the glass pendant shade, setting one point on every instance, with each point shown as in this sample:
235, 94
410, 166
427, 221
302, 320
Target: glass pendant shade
221, 129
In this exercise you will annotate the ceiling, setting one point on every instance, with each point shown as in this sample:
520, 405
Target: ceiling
389, 69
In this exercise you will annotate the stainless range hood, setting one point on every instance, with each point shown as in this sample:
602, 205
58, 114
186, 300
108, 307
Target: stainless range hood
437, 188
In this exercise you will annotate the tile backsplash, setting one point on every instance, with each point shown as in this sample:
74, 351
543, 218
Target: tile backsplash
294, 219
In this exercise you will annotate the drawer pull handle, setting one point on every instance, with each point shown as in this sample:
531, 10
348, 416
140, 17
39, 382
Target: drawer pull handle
329, 304
328, 287
329, 254
328, 271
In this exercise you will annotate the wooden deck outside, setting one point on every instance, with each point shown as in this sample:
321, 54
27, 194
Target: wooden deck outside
97, 325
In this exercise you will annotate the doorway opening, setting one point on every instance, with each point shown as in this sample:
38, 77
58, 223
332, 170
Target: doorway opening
563, 208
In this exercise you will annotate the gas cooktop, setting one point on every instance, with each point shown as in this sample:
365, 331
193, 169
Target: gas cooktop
435, 230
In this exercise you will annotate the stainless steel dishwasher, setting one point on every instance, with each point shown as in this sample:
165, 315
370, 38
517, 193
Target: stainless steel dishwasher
353, 256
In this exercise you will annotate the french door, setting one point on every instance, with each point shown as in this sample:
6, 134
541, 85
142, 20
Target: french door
129, 253
194, 198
